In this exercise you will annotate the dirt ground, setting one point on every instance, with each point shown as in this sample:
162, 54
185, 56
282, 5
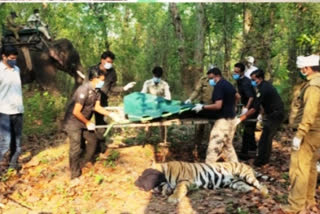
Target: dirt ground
107, 186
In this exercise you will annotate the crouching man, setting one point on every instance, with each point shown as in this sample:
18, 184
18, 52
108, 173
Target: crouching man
77, 122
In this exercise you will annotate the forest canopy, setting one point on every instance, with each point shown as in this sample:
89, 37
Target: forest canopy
185, 38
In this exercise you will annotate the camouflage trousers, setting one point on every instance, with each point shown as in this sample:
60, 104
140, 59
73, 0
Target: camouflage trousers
220, 143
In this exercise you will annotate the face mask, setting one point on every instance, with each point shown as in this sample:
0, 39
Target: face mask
212, 82
253, 83
100, 84
236, 76
108, 66
12, 62
156, 79
302, 75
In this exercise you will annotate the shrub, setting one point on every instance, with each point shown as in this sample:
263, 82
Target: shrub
42, 111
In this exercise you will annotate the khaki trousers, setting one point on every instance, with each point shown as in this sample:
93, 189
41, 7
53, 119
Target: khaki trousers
220, 143
303, 172
15, 31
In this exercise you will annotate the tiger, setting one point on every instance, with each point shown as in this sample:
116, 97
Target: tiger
181, 176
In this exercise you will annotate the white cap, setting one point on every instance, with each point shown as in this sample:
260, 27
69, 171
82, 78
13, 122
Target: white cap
250, 59
305, 61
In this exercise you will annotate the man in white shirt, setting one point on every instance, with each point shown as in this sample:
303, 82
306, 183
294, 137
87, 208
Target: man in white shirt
249, 66
156, 86
35, 22
11, 106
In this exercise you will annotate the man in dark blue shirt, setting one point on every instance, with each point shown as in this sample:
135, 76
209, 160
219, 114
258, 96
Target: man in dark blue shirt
268, 98
247, 93
223, 98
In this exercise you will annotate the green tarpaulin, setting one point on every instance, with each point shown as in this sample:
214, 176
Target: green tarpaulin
143, 107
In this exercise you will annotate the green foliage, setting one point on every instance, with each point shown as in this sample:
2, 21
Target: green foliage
241, 211
6, 176
99, 179
112, 158
283, 199
42, 110
143, 36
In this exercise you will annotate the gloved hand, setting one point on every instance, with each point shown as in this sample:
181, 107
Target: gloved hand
90, 126
198, 108
260, 117
188, 101
296, 143
114, 116
128, 86
238, 121
243, 111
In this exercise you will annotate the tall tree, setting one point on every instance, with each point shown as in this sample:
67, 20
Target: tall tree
190, 71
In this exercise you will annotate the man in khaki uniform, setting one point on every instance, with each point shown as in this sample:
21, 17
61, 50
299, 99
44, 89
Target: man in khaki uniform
158, 87
11, 25
306, 143
203, 92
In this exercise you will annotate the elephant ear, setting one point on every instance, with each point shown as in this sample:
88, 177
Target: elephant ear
53, 52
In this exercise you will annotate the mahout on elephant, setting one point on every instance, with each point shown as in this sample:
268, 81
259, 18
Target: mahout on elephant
40, 59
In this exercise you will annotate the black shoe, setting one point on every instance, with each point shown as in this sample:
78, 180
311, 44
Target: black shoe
259, 163
243, 156
253, 148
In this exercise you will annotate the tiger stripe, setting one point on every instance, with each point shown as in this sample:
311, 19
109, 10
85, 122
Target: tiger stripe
182, 175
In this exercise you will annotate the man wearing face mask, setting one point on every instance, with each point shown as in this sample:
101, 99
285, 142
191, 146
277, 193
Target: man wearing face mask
247, 93
268, 98
11, 107
249, 66
156, 86
35, 22
306, 143
110, 86
223, 109
78, 126
203, 92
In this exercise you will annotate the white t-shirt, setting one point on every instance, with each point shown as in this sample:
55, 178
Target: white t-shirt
10, 90
248, 71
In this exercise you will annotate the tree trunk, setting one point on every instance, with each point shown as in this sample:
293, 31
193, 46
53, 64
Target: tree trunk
292, 47
227, 42
269, 39
190, 72
184, 71
247, 23
177, 23
201, 27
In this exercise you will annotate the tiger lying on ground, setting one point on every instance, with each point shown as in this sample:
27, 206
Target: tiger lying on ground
180, 176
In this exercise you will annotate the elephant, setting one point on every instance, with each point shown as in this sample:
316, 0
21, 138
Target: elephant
44, 63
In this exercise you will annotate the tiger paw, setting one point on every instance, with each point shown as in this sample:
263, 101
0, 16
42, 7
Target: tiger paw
173, 199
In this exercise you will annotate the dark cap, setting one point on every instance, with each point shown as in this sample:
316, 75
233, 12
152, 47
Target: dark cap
150, 179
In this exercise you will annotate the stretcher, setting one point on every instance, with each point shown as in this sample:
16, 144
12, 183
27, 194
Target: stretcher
164, 122
145, 110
